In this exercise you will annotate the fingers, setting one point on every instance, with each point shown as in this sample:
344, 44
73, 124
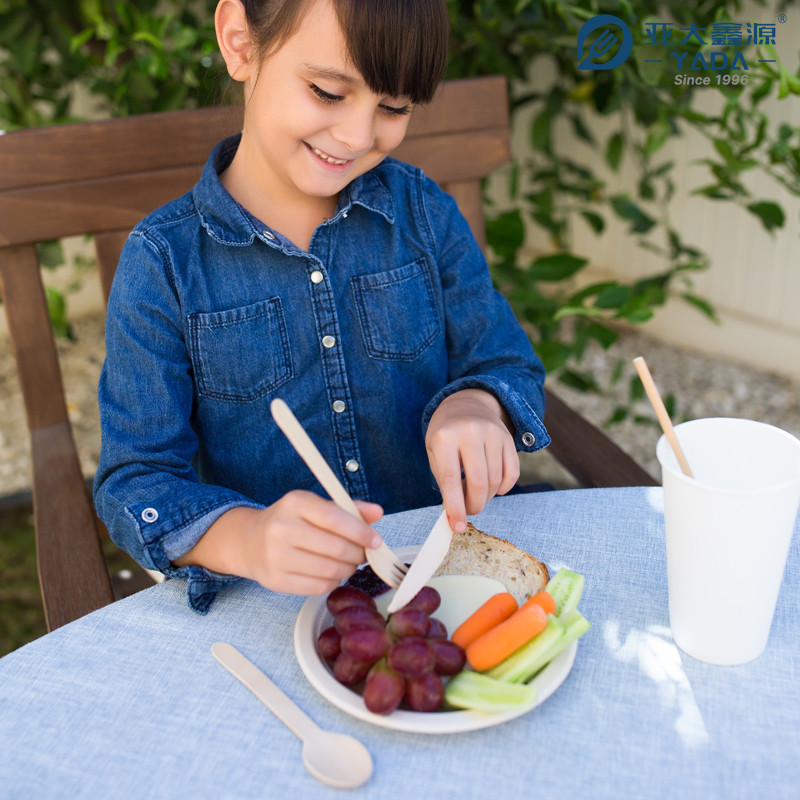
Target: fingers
490, 466
307, 545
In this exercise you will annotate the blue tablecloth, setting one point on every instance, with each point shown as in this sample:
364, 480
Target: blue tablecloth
128, 702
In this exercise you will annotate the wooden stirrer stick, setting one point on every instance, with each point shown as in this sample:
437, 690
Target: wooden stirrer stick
661, 413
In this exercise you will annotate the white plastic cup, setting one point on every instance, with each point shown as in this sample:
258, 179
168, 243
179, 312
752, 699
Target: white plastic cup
728, 532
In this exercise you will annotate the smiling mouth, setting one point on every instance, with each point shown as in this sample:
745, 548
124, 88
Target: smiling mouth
325, 157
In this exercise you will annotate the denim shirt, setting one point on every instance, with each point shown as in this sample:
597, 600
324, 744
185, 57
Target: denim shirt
212, 315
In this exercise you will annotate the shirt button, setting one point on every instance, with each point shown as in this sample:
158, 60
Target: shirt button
316, 276
268, 234
149, 515
351, 465
344, 214
339, 406
528, 438
328, 341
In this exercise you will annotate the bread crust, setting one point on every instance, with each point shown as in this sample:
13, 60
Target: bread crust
477, 553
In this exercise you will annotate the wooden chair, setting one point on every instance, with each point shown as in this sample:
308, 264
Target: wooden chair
100, 178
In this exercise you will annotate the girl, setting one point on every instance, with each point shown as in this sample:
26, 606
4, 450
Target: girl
306, 264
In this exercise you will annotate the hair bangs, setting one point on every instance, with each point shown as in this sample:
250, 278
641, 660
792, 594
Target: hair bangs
398, 46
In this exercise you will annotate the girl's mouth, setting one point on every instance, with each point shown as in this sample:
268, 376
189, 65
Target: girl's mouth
328, 159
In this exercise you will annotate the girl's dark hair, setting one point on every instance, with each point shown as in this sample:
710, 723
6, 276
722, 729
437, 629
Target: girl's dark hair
398, 46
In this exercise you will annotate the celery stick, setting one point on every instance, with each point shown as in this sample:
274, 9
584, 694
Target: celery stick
474, 690
566, 588
515, 668
575, 625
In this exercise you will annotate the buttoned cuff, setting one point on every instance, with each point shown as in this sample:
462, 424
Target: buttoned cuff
169, 527
530, 434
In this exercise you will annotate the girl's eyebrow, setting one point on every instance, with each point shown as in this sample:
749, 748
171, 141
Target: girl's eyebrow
331, 74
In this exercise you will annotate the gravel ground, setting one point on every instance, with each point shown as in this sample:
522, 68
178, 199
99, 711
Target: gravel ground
702, 385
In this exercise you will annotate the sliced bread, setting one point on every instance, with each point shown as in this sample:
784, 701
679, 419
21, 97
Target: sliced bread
477, 553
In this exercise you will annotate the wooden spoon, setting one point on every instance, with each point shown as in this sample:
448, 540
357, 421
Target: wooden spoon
333, 758
661, 413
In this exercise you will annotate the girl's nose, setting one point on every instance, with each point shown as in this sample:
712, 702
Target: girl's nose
356, 130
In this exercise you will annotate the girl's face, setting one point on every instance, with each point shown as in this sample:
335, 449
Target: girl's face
311, 123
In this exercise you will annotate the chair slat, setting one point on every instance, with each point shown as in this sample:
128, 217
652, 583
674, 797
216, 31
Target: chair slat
469, 197
114, 203
72, 571
66, 153
108, 247
31, 337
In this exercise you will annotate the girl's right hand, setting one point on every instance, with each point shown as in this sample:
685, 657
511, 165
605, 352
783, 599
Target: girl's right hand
301, 544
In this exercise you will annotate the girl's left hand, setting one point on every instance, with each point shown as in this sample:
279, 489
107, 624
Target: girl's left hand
469, 431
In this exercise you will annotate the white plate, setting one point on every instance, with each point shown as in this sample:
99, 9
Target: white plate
461, 595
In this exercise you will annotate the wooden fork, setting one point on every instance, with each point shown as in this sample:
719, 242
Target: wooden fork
384, 562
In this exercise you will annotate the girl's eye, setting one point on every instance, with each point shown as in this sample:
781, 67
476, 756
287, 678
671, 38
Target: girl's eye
326, 97
397, 111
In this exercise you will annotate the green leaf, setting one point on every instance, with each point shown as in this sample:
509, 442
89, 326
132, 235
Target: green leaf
506, 233
580, 129
557, 267
146, 36
50, 254
596, 222
57, 309
657, 136
576, 311
635, 389
702, 305
540, 132
613, 297
554, 355
638, 315
582, 381
614, 150
619, 414
628, 210
601, 334
770, 214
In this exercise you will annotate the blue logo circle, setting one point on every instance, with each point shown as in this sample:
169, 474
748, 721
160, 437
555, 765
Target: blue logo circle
616, 31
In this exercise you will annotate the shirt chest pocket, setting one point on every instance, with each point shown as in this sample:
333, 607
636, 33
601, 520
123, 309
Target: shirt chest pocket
397, 311
240, 354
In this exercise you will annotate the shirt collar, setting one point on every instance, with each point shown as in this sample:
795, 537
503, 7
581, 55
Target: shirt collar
232, 224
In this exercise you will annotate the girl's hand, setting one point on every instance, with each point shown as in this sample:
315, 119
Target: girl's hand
301, 544
470, 431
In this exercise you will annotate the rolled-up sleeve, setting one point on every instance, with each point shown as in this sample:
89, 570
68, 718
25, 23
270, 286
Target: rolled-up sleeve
147, 490
487, 347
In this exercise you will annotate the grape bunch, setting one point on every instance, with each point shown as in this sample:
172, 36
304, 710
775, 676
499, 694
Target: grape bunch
399, 659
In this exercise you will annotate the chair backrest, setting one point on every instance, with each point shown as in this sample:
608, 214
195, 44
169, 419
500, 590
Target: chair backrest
101, 178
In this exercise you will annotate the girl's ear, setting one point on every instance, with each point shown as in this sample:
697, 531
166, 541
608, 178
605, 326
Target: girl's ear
234, 40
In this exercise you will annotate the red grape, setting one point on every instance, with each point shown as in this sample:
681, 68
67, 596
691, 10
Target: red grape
329, 643
425, 693
353, 617
409, 622
384, 689
437, 629
427, 599
349, 670
366, 644
412, 657
450, 658
345, 596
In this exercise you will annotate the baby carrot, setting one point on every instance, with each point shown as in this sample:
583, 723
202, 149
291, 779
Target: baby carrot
497, 644
546, 601
497, 608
